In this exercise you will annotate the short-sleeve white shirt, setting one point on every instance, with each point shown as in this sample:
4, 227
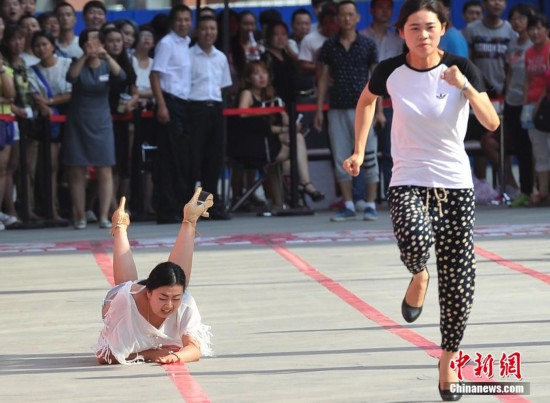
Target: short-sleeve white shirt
173, 63
429, 124
209, 74
73, 50
142, 82
311, 46
389, 45
55, 76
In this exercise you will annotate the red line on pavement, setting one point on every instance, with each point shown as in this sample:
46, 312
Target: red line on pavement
184, 381
103, 260
512, 265
378, 317
189, 389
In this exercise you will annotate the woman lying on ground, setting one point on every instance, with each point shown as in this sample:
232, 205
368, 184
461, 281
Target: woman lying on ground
154, 320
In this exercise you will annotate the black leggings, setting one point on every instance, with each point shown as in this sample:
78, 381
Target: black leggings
423, 217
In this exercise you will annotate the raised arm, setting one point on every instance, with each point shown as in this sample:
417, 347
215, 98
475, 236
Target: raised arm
163, 116
364, 115
182, 252
124, 267
8, 87
76, 67
322, 88
479, 101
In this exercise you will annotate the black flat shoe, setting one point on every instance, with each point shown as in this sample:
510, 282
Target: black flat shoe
412, 313
446, 394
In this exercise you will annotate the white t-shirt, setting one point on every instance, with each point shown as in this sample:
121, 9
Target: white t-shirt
173, 63
142, 83
73, 50
389, 45
126, 331
55, 76
311, 46
209, 74
429, 123
30, 60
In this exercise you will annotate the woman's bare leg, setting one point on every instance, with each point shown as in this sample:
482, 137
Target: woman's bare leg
303, 166
54, 152
124, 267
182, 252
105, 190
4, 159
13, 163
115, 179
77, 185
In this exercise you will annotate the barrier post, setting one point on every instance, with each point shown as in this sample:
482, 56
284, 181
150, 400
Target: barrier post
47, 157
23, 177
292, 133
225, 101
504, 198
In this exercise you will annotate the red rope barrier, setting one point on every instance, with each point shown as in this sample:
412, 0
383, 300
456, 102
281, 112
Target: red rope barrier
226, 112
253, 111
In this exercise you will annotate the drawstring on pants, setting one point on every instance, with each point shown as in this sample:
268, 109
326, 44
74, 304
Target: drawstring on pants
438, 198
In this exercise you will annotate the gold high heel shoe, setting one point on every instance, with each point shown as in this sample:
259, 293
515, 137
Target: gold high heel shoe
120, 218
198, 206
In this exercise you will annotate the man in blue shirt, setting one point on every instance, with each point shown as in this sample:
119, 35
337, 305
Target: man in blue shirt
453, 41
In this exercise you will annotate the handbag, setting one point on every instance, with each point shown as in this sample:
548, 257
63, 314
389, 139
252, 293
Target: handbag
55, 128
541, 119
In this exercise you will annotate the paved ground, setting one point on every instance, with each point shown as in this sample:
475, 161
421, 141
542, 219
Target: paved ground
302, 310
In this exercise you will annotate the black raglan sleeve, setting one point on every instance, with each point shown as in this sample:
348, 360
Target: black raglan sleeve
377, 83
470, 70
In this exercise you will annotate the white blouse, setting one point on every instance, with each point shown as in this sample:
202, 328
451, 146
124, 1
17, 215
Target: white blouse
126, 331
142, 83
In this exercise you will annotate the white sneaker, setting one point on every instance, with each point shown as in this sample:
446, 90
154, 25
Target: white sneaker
360, 205
80, 224
90, 216
7, 219
2, 227
105, 224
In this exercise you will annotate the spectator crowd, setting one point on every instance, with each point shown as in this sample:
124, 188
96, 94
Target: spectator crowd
175, 67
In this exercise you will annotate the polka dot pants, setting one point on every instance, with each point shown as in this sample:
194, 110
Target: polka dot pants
423, 217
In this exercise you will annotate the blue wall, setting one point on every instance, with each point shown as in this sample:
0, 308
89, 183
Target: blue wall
144, 16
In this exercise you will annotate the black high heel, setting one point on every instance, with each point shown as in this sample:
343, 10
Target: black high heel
446, 394
412, 313
315, 195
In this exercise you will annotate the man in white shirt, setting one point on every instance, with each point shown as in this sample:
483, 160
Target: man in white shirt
209, 74
311, 44
67, 41
307, 57
171, 82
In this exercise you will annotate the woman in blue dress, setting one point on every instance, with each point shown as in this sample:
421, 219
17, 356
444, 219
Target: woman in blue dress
89, 129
